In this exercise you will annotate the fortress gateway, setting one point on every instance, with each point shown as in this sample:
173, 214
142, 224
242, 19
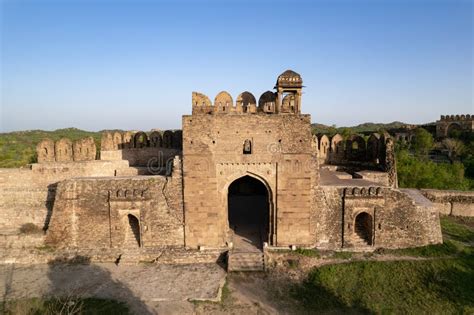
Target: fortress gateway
243, 176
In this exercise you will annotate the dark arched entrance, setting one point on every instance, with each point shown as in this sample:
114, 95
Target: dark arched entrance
248, 210
133, 232
363, 227
454, 130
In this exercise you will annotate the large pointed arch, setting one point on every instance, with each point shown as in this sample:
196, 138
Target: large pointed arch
249, 212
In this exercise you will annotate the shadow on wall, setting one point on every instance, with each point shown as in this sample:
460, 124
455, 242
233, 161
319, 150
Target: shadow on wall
50, 204
77, 278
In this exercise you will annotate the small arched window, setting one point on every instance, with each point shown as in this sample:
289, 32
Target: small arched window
247, 147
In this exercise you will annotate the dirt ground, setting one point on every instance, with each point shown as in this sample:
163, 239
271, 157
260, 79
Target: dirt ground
145, 288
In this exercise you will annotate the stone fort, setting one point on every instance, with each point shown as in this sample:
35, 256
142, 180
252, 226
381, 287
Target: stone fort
241, 177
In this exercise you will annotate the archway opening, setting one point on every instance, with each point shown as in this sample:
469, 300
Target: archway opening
454, 130
363, 227
133, 232
248, 211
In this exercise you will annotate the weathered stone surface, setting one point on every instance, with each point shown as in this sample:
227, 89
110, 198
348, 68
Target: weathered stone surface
452, 202
94, 213
63, 150
45, 151
107, 142
84, 149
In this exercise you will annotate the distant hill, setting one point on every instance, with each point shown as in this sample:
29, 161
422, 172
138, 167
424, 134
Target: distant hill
362, 128
18, 148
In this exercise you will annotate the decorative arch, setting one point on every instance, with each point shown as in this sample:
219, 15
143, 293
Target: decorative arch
63, 150
246, 100
453, 128
223, 102
199, 99
118, 140
324, 145
168, 139
288, 104
250, 222
356, 148
45, 151
140, 140
107, 142
155, 139
267, 102
373, 148
201, 103
127, 140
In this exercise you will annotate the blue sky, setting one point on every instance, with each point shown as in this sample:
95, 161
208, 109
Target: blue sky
133, 64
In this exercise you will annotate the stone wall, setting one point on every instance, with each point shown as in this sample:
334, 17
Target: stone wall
452, 202
154, 158
118, 140
96, 212
448, 123
399, 218
375, 153
28, 194
281, 157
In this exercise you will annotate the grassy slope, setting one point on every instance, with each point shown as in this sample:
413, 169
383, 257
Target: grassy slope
18, 148
442, 282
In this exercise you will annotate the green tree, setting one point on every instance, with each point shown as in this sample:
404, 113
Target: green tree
422, 142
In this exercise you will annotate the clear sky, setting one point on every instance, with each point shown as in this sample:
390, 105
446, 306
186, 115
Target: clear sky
133, 64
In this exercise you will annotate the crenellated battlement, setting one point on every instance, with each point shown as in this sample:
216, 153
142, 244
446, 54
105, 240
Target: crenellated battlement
118, 140
449, 125
456, 117
65, 150
286, 100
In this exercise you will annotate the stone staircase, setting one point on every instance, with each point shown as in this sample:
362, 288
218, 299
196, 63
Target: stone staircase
358, 241
245, 261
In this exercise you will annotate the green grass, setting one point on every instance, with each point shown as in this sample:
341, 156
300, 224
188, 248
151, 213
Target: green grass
307, 252
342, 255
448, 248
429, 286
443, 283
88, 306
459, 229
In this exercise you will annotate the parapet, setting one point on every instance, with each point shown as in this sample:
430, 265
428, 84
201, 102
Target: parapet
456, 117
64, 150
118, 140
287, 99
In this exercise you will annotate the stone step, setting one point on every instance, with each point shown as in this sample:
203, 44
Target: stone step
245, 261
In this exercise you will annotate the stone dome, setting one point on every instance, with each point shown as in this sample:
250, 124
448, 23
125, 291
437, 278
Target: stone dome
289, 78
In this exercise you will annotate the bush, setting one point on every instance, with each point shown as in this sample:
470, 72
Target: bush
416, 172
30, 228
